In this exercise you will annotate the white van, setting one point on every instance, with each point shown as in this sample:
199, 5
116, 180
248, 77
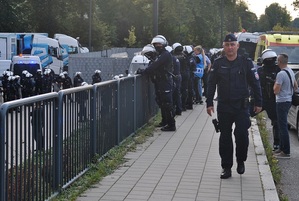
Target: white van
247, 42
25, 62
138, 61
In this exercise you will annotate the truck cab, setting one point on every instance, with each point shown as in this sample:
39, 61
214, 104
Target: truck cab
280, 42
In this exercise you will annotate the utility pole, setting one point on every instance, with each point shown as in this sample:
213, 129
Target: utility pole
221, 24
155, 16
90, 18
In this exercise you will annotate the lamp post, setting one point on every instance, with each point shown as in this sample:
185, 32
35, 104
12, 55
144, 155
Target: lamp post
155, 16
90, 18
221, 24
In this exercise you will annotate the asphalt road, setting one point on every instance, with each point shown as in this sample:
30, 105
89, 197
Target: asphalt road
289, 167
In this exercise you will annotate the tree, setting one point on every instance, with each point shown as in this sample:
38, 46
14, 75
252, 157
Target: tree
248, 19
131, 40
277, 14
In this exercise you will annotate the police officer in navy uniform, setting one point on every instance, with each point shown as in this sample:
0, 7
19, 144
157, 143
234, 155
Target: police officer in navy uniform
191, 66
184, 70
38, 79
161, 68
177, 77
150, 52
78, 80
233, 75
96, 77
267, 74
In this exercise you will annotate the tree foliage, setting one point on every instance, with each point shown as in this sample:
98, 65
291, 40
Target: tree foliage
106, 23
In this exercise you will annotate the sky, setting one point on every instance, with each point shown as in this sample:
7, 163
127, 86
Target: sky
258, 6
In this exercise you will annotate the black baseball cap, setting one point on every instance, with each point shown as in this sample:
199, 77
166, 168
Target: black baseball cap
230, 37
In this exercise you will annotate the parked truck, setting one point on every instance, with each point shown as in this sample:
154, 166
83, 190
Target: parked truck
47, 49
71, 44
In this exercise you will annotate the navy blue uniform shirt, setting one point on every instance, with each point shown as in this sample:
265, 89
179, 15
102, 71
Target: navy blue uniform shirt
233, 79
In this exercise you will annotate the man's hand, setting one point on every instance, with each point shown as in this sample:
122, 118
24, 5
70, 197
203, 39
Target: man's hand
257, 109
210, 110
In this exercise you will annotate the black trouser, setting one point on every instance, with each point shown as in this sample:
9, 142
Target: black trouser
189, 104
165, 100
177, 97
270, 107
242, 124
184, 88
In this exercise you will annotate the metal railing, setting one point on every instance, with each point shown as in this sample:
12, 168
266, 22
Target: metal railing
48, 141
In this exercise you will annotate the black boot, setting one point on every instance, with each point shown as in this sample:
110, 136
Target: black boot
241, 168
168, 128
226, 173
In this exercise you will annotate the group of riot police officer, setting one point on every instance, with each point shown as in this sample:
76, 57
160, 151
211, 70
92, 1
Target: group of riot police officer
171, 69
16, 87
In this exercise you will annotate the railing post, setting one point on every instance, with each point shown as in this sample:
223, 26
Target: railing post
58, 140
3, 110
93, 115
118, 112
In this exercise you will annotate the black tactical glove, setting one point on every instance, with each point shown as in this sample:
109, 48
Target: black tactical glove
139, 71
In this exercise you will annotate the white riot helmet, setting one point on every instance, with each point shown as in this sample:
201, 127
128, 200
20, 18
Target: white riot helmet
149, 52
78, 73
47, 71
168, 48
188, 49
148, 48
11, 78
24, 72
28, 75
177, 47
97, 71
268, 53
160, 39
61, 75
84, 83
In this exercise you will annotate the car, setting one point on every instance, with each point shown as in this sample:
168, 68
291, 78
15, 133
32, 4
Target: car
293, 115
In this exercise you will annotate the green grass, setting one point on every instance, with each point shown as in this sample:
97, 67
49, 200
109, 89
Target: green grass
108, 164
273, 162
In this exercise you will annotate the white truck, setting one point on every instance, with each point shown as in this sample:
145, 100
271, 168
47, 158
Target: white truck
71, 44
48, 49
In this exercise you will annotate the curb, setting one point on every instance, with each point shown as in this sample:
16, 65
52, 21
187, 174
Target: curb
270, 191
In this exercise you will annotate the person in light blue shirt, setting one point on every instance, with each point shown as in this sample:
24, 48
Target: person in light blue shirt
202, 61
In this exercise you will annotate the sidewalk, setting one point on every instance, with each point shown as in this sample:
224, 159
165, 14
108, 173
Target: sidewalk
185, 166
